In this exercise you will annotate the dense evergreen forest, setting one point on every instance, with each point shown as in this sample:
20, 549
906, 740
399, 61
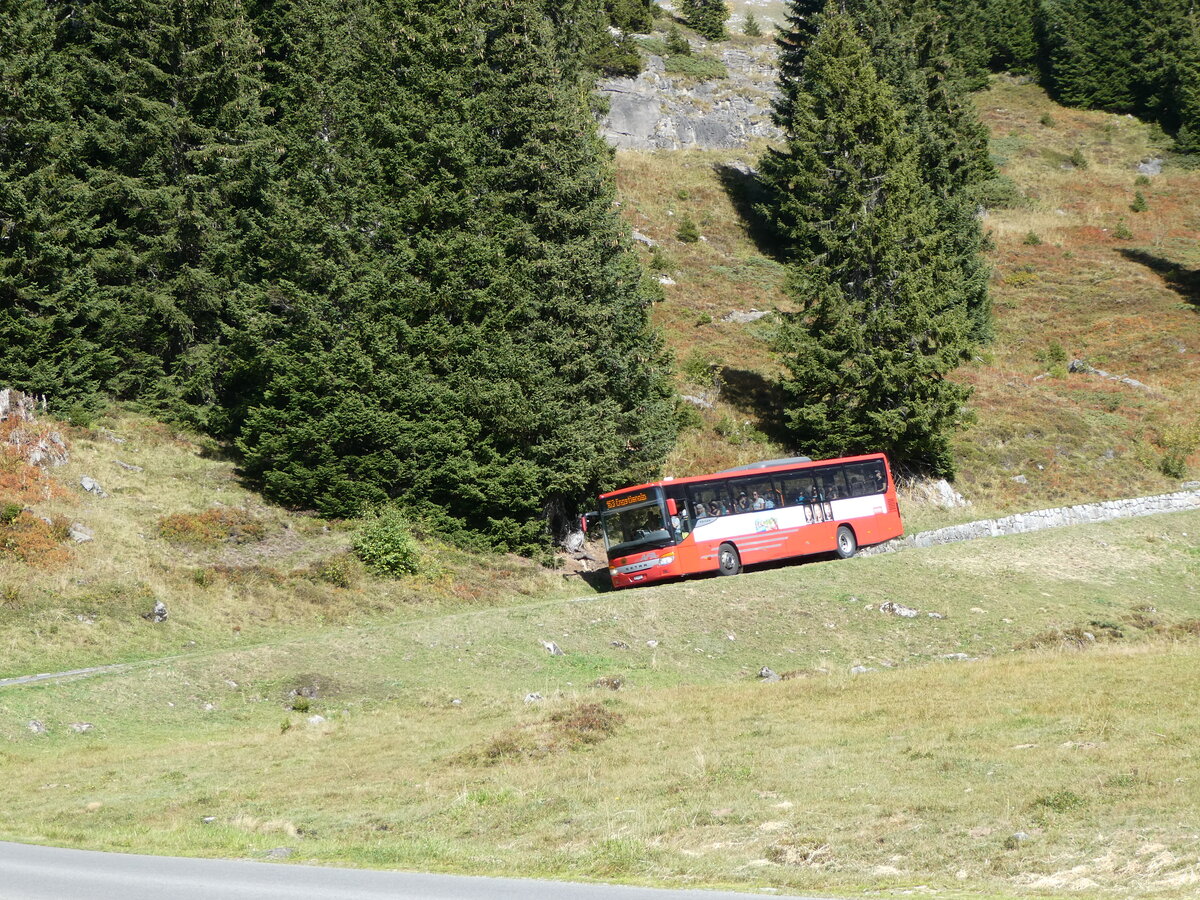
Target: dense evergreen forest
1127, 56
373, 246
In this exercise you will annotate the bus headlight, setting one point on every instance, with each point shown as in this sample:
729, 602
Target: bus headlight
666, 560
612, 571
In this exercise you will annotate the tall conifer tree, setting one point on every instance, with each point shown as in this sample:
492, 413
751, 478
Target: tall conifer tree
883, 316
708, 17
1093, 48
134, 164
481, 349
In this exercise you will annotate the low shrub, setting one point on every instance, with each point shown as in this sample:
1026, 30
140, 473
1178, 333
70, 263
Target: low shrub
33, 540
696, 66
689, 232
386, 545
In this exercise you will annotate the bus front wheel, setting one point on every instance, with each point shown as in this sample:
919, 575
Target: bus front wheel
728, 561
847, 543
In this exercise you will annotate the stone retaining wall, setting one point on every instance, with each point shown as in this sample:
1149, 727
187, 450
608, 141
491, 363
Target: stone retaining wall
1040, 519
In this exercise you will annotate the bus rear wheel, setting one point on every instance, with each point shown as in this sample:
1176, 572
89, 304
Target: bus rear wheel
728, 560
847, 543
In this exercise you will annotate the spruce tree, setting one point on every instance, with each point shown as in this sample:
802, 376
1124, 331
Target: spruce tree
1093, 48
1011, 29
801, 22
882, 318
480, 349
134, 164
706, 17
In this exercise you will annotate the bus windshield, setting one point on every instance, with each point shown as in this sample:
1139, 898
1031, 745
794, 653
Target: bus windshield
641, 527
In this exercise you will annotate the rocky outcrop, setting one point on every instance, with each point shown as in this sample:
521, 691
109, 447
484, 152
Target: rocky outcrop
658, 111
36, 445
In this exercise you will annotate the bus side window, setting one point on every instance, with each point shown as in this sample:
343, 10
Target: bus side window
710, 500
794, 489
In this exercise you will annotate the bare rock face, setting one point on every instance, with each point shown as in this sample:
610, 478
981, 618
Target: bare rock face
658, 111
19, 406
36, 445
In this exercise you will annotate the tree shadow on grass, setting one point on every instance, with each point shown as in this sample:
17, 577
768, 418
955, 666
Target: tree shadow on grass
758, 396
745, 192
1183, 281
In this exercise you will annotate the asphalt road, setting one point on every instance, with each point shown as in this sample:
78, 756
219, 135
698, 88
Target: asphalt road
50, 873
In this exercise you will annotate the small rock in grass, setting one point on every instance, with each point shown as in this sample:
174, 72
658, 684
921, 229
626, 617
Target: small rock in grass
897, 610
767, 674
128, 467
860, 670
534, 697
158, 614
92, 486
552, 648
651, 644
620, 645
81, 727
80, 533
316, 720
36, 727
935, 615
280, 853
208, 820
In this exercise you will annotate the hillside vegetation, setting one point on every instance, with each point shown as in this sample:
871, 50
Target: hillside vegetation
180, 528
1077, 273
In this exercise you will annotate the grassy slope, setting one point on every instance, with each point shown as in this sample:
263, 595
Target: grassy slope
90, 609
917, 772
1128, 307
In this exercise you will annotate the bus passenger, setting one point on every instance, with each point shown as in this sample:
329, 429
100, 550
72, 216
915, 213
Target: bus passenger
701, 512
758, 502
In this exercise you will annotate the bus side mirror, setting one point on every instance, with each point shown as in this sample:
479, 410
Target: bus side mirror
587, 519
672, 506
583, 523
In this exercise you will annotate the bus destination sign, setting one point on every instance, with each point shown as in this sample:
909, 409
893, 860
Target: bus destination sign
618, 502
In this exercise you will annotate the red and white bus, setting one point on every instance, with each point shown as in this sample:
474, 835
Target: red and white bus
766, 511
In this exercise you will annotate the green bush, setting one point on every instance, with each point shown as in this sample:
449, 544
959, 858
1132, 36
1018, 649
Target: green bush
700, 68
1032, 240
1047, 120
9, 513
1122, 232
701, 367
386, 545
1139, 202
1000, 192
1078, 160
677, 44
689, 232
750, 26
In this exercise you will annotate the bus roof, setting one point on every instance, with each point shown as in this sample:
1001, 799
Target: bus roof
760, 468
